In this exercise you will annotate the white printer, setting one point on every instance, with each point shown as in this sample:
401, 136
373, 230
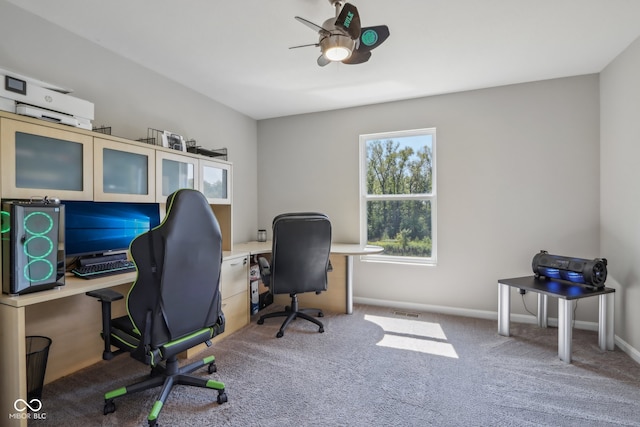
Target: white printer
30, 97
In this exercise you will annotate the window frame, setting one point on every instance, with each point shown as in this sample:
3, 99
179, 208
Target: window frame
365, 197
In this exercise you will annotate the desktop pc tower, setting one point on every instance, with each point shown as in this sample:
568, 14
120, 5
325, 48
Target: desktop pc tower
32, 248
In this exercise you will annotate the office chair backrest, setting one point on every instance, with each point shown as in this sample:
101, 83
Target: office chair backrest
178, 266
300, 253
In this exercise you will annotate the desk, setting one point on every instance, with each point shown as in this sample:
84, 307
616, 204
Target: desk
41, 310
68, 316
348, 250
566, 294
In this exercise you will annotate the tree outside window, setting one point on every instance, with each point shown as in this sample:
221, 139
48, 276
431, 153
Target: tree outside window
398, 194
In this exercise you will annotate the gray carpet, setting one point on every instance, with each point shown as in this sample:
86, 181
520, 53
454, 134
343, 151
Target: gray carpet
450, 371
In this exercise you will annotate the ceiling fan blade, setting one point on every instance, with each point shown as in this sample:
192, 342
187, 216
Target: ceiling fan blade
322, 61
305, 45
372, 37
314, 27
349, 20
357, 57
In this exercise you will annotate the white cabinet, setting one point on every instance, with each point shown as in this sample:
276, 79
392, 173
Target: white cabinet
215, 181
235, 276
173, 172
39, 160
234, 287
123, 172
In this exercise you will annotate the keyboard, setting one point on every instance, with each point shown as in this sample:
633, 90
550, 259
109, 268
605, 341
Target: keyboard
93, 271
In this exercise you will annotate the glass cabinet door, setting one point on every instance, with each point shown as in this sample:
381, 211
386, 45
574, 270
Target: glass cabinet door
173, 172
123, 172
40, 161
215, 181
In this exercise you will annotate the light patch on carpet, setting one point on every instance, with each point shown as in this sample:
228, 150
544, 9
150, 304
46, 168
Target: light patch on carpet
413, 335
414, 344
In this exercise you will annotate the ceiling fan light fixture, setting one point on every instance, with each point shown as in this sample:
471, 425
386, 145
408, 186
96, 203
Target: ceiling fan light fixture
337, 53
337, 47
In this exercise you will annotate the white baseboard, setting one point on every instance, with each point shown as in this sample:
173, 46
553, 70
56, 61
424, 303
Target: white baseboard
624, 346
479, 314
491, 315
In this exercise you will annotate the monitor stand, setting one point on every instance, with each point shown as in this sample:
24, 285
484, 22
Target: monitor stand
100, 259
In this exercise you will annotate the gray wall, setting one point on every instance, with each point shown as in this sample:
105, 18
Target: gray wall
130, 99
620, 197
517, 171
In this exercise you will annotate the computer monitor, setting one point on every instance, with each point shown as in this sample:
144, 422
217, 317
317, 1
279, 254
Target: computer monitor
100, 228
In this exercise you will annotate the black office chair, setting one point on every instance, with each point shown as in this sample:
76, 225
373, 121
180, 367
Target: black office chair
175, 302
299, 263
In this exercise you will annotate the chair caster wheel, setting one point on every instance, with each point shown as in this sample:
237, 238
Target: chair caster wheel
222, 397
321, 329
320, 314
212, 368
279, 334
109, 407
260, 321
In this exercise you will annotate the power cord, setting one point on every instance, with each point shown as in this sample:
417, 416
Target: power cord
522, 293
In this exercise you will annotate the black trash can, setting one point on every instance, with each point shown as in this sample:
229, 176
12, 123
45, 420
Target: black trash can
37, 355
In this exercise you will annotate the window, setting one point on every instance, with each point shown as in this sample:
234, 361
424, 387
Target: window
398, 195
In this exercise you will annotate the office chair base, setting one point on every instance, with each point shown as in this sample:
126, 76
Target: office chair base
306, 310
291, 313
168, 376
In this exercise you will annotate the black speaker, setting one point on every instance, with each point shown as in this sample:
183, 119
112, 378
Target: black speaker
32, 254
576, 270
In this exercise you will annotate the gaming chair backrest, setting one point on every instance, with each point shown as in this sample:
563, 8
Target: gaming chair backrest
300, 253
179, 265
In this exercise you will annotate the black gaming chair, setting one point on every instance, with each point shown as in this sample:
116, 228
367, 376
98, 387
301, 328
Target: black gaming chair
175, 302
299, 262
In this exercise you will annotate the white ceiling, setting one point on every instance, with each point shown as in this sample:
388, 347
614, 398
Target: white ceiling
236, 51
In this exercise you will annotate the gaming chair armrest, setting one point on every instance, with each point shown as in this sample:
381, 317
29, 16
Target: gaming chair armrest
265, 270
106, 297
105, 294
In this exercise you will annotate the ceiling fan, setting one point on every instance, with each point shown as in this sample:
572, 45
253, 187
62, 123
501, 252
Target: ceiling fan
342, 39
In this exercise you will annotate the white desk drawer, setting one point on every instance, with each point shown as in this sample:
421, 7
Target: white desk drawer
235, 277
236, 313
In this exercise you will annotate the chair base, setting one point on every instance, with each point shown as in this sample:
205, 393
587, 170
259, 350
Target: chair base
293, 312
168, 376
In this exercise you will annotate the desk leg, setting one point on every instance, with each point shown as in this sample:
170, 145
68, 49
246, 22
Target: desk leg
349, 284
504, 309
542, 316
13, 363
605, 322
565, 332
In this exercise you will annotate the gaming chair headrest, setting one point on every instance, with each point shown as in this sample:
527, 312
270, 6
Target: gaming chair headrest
189, 211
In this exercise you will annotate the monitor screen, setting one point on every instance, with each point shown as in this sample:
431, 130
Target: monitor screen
95, 228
